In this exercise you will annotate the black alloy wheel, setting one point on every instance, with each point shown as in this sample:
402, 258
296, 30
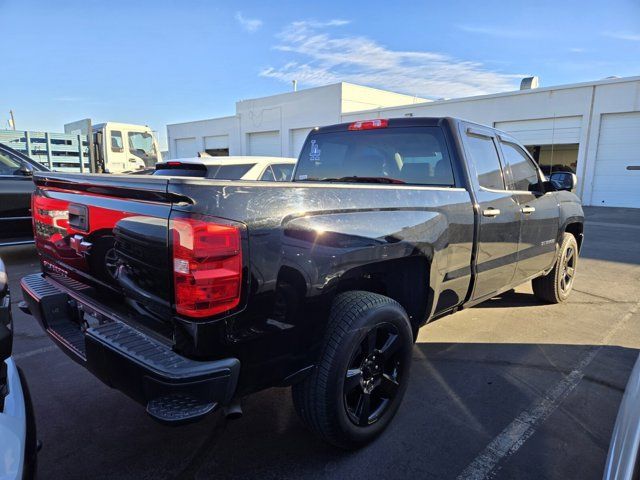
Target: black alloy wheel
373, 376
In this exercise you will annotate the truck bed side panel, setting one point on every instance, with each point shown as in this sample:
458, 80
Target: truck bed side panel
304, 239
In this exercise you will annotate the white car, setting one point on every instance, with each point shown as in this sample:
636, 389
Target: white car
272, 169
18, 444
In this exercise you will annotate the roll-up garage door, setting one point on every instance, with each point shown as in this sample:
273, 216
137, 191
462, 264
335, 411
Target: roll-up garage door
216, 142
265, 144
186, 148
616, 180
545, 131
298, 136
217, 145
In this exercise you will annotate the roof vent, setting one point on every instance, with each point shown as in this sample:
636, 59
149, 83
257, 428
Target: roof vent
530, 83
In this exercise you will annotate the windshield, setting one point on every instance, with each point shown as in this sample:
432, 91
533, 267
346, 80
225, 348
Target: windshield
141, 145
411, 155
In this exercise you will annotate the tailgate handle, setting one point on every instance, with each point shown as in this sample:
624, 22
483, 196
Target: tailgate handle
79, 217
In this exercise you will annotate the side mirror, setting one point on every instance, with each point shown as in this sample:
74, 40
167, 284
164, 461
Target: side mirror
564, 180
25, 171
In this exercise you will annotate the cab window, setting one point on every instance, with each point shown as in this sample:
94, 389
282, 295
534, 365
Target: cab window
116, 141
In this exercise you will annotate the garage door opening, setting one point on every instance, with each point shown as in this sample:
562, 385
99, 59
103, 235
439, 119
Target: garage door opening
217, 145
217, 152
555, 158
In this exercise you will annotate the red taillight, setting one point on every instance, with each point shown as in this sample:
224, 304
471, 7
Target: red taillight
207, 267
173, 164
369, 124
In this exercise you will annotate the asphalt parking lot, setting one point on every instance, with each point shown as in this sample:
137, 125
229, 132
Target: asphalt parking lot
509, 389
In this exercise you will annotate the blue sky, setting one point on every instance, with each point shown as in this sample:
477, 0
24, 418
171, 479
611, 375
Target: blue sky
169, 61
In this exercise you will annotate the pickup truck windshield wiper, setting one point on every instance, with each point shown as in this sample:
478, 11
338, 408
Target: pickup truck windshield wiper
356, 179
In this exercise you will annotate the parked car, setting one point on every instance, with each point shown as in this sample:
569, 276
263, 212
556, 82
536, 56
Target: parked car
18, 444
224, 288
272, 169
16, 186
623, 460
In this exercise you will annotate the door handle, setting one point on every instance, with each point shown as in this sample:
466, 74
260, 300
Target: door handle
527, 210
491, 212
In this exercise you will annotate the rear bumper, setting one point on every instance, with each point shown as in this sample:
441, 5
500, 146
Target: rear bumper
173, 388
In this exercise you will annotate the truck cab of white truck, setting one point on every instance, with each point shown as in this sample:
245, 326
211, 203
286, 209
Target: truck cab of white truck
124, 147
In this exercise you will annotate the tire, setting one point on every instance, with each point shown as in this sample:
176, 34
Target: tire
556, 286
365, 362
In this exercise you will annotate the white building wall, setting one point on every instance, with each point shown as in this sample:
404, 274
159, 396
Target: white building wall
288, 113
576, 111
359, 97
619, 97
202, 131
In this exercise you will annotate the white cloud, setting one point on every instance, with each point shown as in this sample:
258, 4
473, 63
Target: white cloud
500, 31
631, 36
249, 24
319, 58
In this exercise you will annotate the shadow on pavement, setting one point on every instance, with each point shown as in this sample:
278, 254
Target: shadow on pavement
460, 397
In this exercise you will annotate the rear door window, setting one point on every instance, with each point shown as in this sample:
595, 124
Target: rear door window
484, 156
403, 155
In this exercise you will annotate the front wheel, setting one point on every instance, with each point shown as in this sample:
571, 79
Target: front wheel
362, 374
556, 286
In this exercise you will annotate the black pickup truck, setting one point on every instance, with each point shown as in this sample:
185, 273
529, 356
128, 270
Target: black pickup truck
187, 293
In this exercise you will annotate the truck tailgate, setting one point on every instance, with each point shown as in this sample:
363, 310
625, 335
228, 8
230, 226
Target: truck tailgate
110, 233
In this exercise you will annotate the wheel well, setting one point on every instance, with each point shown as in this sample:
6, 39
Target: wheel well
576, 229
405, 280
292, 277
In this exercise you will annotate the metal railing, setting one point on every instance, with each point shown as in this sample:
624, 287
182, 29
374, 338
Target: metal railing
58, 151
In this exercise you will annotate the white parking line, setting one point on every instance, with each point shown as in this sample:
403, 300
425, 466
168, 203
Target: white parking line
31, 353
525, 424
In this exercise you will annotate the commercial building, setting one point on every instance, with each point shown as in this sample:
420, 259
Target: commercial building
591, 128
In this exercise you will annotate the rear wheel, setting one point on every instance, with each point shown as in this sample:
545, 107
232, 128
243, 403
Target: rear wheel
362, 375
556, 286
